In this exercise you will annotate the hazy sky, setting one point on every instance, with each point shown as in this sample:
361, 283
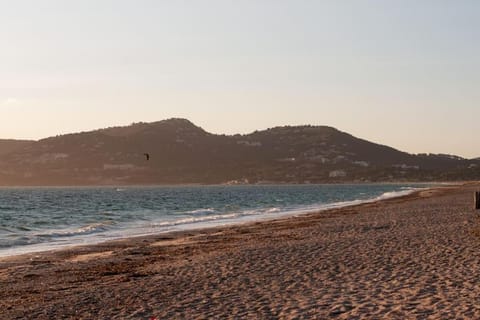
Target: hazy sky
397, 72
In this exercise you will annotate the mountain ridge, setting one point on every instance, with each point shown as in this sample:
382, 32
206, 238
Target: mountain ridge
181, 152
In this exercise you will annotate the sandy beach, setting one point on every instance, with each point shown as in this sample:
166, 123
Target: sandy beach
414, 257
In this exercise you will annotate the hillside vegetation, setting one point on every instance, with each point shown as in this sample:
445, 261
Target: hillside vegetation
181, 152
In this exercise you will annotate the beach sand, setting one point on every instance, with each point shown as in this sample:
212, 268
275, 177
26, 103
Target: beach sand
416, 257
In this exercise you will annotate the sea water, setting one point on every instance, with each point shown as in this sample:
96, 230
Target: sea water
37, 219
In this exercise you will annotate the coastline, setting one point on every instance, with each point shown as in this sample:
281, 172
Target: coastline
207, 222
293, 266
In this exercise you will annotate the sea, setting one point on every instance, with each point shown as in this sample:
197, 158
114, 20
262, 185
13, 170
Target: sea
43, 218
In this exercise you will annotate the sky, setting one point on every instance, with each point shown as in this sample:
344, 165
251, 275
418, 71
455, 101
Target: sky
404, 73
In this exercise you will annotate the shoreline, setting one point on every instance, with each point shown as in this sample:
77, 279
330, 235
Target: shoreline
226, 184
407, 257
178, 235
212, 224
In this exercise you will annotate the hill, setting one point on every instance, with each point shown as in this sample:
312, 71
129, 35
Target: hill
181, 152
9, 145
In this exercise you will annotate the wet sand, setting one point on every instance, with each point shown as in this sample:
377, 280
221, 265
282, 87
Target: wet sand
415, 257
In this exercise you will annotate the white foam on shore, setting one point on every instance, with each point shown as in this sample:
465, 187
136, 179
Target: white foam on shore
202, 211
200, 220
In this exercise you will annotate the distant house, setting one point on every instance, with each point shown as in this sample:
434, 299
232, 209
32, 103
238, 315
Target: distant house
362, 163
250, 143
405, 167
125, 166
337, 174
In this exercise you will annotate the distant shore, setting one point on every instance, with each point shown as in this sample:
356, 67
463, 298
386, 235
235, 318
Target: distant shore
409, 257
229, 184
